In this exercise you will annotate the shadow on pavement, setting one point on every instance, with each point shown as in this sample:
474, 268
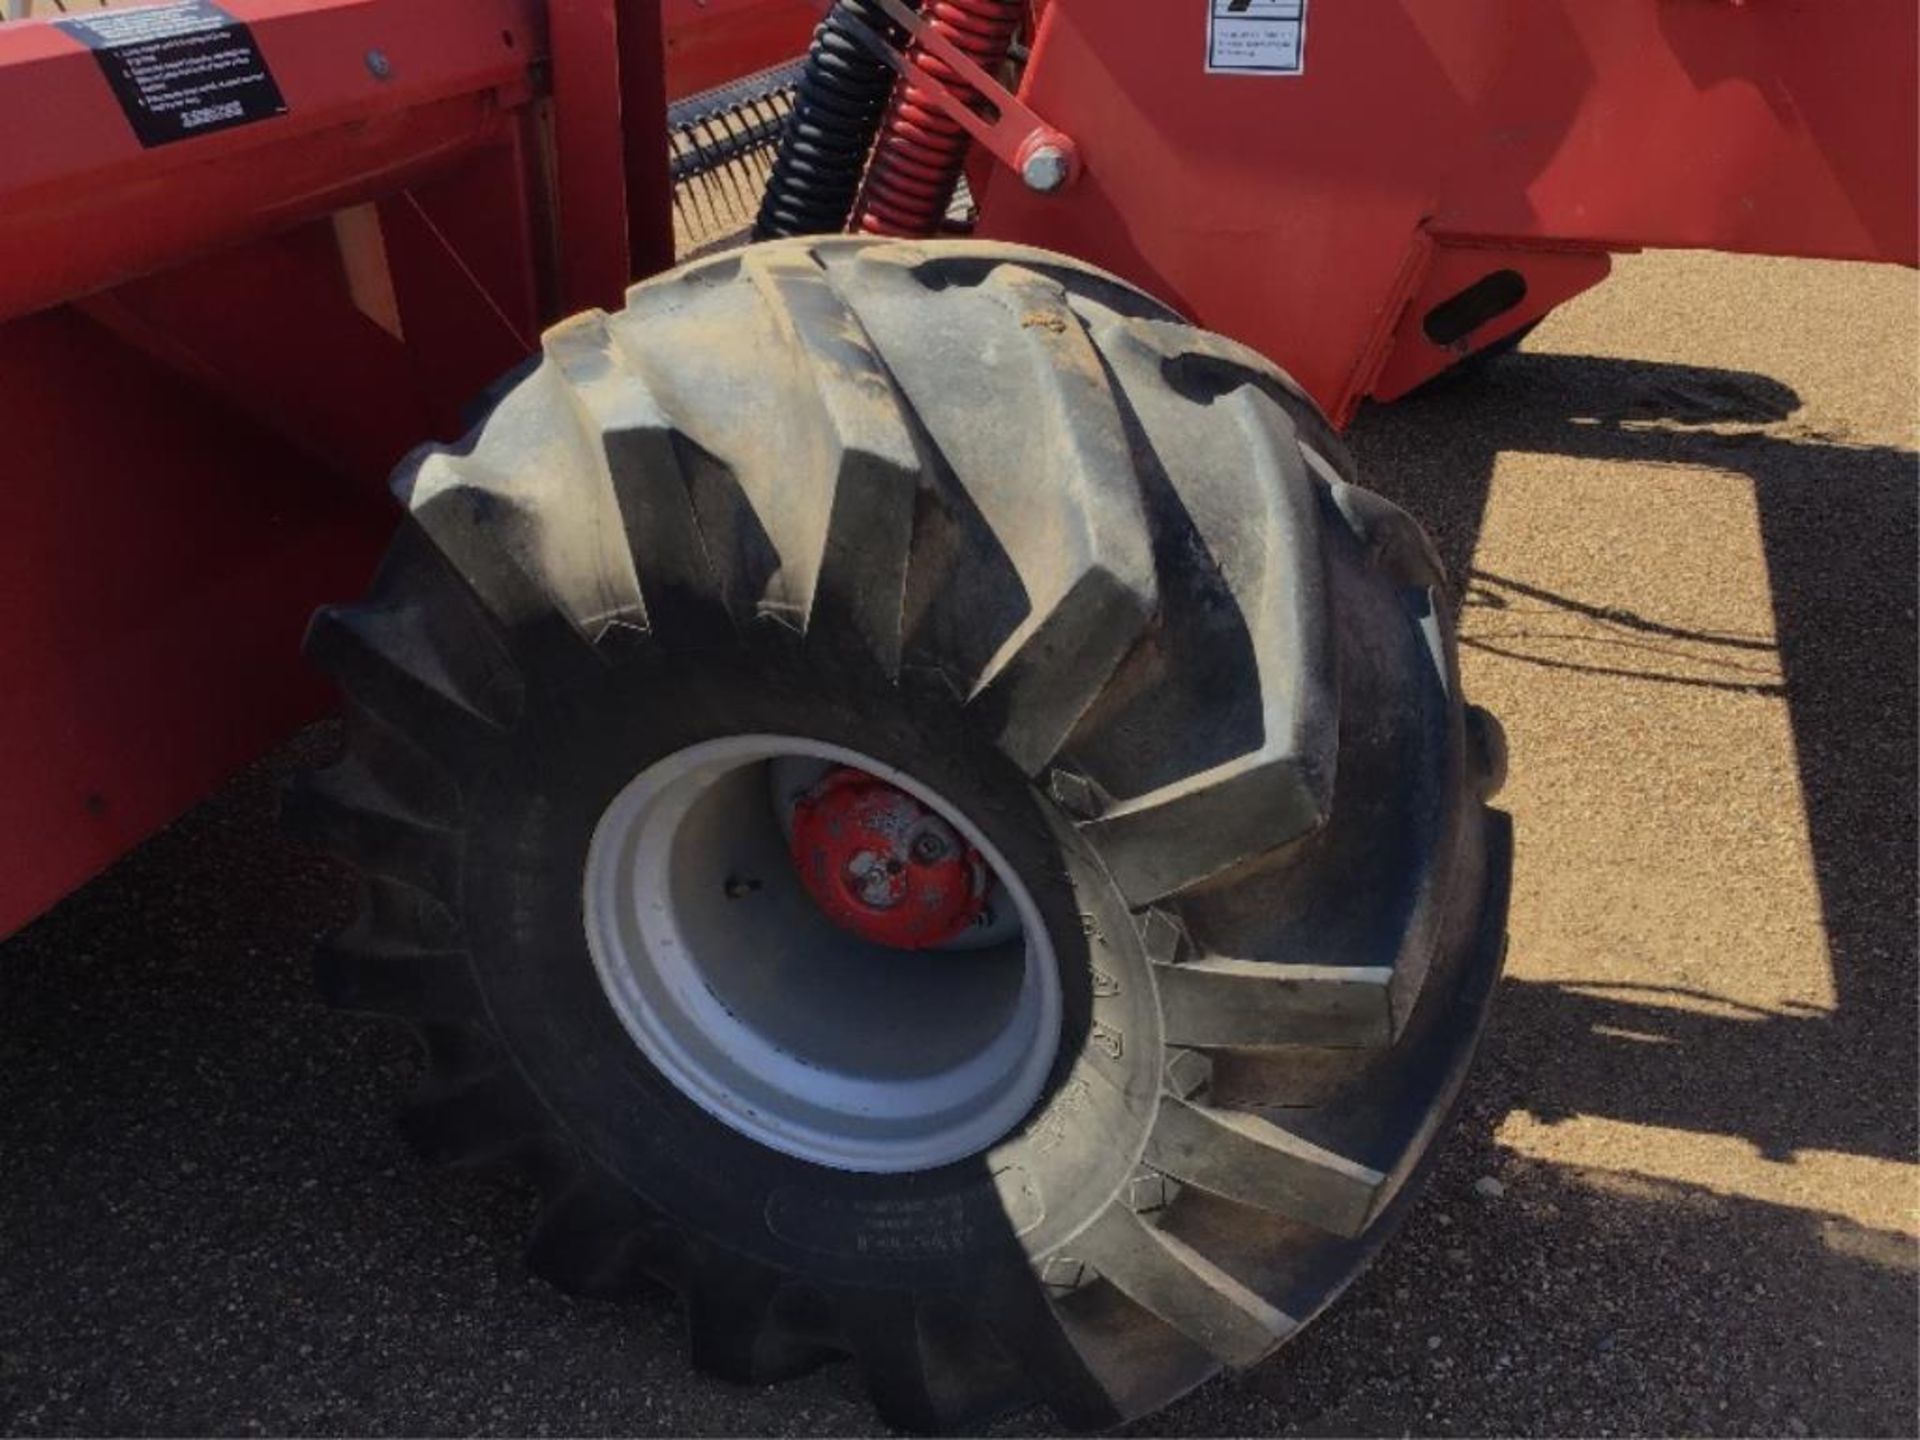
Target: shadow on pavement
1838, 530
1583, 1303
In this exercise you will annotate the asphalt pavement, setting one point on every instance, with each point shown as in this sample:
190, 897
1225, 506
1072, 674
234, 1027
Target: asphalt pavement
1681, 1197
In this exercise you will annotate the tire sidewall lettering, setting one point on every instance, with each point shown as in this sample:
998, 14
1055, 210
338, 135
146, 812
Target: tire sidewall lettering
1025, 1195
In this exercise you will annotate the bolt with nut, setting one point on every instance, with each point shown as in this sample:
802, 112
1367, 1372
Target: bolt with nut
1046, 168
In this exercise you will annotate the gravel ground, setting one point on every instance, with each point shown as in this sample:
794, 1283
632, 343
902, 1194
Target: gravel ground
1683, 524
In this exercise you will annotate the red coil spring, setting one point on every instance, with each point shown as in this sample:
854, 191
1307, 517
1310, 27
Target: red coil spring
917, 159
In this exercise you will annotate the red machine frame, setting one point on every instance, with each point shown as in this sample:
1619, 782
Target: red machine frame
1431, 143
213, 351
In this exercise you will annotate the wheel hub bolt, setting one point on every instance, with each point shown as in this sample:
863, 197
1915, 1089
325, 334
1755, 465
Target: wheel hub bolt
875, 880
880, 864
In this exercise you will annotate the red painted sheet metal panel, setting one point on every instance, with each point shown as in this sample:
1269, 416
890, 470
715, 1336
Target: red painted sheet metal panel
709, 42
1287, 211
589, 155
270, 329
1777, 127
162, 555
643, 115
1547, 279
193, 459
317, 50
85, 206
615, 65
471, 248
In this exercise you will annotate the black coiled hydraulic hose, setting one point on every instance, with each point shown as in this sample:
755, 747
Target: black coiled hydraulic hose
842, 94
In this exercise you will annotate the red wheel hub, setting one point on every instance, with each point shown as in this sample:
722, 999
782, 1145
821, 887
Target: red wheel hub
883, 865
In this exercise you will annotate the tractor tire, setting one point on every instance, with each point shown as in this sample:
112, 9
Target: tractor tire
1099, 586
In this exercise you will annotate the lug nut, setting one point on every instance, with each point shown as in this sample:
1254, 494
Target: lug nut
870, 877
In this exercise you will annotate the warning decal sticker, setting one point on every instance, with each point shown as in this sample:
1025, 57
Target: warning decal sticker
1256, 37
181, 69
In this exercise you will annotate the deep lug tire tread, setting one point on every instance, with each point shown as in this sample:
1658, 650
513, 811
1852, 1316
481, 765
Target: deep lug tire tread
1159, 523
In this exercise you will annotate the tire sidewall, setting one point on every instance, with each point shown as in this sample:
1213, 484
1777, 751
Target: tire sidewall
579, 745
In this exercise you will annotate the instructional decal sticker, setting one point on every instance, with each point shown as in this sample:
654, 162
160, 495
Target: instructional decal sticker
181, 69
1256, 37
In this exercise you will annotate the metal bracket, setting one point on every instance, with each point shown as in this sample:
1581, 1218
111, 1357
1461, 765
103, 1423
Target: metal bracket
1046, 159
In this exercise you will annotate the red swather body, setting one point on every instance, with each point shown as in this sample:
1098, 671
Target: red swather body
214, 350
